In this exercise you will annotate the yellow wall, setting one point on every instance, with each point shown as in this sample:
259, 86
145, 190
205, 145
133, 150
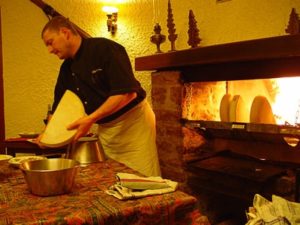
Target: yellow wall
30, 72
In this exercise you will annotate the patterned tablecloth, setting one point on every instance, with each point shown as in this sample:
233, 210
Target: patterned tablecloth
89, 204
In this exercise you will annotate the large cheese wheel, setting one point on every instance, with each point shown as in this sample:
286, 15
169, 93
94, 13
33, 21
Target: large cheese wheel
237, 110
261, 111
224, 107
69, 109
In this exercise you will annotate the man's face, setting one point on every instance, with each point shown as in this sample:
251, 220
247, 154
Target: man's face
57, 43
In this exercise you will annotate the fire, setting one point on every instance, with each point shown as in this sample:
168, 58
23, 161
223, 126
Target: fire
286, 106
202, 99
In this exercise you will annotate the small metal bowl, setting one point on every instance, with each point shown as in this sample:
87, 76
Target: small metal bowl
50, 176
86, 150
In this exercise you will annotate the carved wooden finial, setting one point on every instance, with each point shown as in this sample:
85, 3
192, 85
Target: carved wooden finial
193, 31
294, 23
157, 38
171, 27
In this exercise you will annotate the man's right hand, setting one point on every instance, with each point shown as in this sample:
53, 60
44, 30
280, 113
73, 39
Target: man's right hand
38, 141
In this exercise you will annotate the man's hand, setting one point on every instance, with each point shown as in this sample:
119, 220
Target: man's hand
82, 125
38, 141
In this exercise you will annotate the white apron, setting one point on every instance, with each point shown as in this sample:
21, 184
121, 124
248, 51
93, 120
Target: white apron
131, 139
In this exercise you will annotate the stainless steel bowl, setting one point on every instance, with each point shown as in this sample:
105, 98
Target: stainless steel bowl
50, 176
86, 150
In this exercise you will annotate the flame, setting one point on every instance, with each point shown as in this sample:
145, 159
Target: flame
286, 106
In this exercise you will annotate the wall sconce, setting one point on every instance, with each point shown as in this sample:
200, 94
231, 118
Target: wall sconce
112, 17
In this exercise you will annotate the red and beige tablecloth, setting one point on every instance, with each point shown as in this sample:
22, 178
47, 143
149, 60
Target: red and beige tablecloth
89, 204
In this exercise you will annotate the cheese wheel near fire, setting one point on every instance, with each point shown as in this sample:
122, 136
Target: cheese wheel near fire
237, 110
224, 107
69, 109
261, 111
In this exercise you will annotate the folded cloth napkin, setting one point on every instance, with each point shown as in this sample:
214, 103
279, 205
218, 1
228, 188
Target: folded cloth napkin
130, 186
279, 211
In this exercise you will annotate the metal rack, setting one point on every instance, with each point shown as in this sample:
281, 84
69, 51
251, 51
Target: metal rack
246, 131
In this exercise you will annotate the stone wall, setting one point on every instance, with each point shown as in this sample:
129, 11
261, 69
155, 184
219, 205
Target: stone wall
166, 103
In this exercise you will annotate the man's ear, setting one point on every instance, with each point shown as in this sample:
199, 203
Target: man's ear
65, 31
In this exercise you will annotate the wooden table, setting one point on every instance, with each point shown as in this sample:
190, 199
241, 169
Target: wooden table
25, 145
89, 204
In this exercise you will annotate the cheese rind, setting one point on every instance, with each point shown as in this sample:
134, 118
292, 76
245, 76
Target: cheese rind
261, 111
224, 107
69, 109
237, 110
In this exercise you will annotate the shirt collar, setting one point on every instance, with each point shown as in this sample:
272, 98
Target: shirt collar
80, 50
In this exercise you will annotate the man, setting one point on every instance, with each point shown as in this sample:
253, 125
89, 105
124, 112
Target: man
98, 70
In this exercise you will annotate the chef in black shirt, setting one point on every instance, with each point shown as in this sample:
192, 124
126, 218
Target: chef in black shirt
98, 70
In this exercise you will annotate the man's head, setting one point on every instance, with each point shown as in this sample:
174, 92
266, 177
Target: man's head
61, 38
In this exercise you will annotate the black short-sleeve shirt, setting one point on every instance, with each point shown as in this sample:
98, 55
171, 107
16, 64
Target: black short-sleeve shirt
101, 68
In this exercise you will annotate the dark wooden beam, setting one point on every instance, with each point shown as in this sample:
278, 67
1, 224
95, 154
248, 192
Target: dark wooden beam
270, 68
254, 59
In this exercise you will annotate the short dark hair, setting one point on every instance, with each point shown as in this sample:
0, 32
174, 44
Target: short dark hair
58, 22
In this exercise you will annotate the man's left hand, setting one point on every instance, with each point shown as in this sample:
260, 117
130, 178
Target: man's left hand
82, 125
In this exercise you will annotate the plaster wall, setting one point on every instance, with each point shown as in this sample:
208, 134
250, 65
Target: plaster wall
30, 73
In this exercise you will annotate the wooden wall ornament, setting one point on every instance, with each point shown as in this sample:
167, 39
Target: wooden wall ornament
171, 27
157, 38
193, 31
294, 23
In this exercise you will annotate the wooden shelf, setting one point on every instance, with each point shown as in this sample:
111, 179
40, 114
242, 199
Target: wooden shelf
254, 59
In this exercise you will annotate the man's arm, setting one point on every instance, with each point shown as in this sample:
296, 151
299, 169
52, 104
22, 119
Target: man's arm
110, 106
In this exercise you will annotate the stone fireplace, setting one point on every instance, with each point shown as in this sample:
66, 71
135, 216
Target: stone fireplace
193, 143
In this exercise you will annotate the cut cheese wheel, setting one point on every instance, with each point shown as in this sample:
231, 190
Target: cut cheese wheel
261, 111
237, 110
224, 107
69, 109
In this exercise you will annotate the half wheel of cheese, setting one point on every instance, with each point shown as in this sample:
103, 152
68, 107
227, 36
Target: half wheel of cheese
237, 110
261, 111
69, 109
224, 107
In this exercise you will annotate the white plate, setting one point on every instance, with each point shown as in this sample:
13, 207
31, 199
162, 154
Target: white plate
16, 161
4, 157
28, 135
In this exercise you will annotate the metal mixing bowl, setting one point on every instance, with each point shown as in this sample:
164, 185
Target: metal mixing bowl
86, 150
50, 176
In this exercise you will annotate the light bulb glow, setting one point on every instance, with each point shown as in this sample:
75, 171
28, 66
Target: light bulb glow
109, 9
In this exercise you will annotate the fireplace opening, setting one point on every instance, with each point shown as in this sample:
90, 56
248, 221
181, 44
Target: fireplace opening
266, 101
252, 110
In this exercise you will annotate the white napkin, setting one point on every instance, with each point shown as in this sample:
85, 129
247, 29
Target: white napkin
279, 211
130, 186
